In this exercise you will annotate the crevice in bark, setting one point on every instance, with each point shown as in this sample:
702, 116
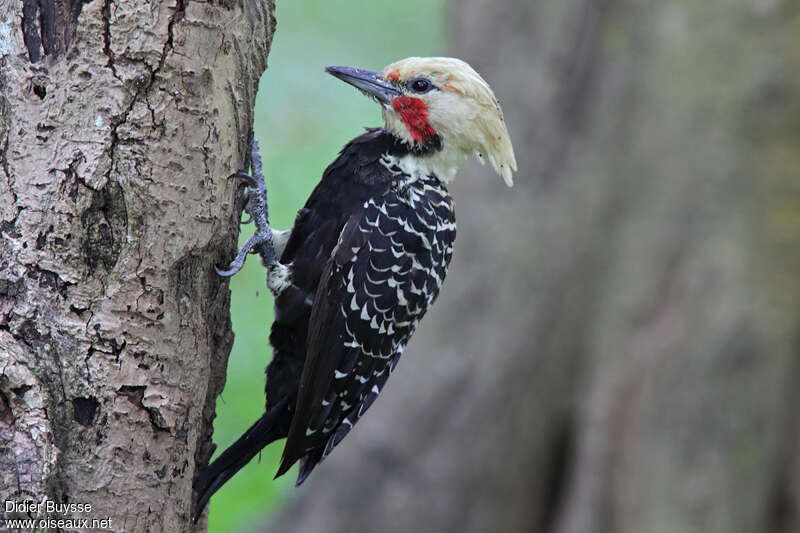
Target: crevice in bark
107, 345
107, 37
48, 26
177, 16
48, 279
40, 91
4, 151
31, 32
6, 414
105, 225
135, 395
11, 289
84, 410
72, 178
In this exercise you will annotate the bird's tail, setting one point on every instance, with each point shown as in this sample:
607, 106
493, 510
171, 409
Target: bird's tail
269, 428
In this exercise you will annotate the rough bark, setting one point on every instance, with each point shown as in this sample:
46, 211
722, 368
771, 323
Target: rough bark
615, 348
119, 122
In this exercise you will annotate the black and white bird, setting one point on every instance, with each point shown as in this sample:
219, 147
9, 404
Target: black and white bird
365, 259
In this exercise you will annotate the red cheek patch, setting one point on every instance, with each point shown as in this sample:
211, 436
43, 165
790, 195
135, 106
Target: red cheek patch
414, 113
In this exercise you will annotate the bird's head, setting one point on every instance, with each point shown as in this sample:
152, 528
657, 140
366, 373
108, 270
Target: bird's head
439, 106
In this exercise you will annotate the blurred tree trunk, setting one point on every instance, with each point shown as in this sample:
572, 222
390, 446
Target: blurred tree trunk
616, 347
119, 123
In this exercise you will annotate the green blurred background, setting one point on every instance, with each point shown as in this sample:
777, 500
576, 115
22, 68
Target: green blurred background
303, 117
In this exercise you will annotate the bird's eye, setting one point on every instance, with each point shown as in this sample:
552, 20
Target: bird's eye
420, 85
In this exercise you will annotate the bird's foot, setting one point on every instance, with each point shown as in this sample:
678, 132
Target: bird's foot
258, 212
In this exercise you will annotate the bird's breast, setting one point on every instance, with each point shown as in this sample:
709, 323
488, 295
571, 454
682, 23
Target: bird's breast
396, 275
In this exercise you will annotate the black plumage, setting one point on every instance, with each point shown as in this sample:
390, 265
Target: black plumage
367, 256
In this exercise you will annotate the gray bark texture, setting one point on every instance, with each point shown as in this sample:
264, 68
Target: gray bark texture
119, 123
616, 346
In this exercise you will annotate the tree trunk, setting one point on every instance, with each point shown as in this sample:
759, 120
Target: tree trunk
119, 123
615, 348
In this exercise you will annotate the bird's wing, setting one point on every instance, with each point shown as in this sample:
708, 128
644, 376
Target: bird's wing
324, 349
374, 289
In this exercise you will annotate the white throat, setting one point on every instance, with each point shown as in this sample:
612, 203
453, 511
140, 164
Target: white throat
443, 164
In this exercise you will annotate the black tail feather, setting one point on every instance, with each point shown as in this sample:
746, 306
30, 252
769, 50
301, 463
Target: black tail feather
272, 426
307, 464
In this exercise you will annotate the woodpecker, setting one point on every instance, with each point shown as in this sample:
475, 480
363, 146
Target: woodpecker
365, 259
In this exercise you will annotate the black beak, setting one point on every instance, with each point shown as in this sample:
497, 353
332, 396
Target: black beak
368, 82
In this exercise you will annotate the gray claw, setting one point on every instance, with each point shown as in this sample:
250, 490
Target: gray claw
227, 273
238, 262
256, 209
249, 180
